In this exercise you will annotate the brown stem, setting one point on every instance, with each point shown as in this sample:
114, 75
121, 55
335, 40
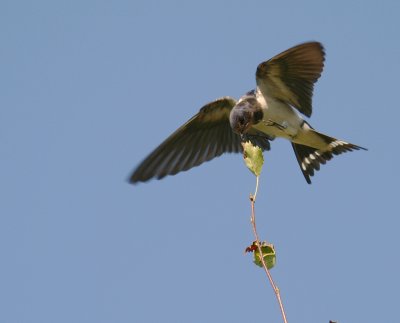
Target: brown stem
275, 288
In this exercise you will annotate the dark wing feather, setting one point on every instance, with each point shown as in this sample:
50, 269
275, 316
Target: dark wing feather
205, 136
290, 76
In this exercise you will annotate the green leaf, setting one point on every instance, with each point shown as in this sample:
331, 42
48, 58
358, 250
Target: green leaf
253, 157
268, 252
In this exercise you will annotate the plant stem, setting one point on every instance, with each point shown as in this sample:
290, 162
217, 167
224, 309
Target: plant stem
253, 222
253, 198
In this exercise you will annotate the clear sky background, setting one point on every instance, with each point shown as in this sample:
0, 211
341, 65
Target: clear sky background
89, 88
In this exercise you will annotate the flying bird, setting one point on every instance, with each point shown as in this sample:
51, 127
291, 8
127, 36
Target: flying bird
285, 84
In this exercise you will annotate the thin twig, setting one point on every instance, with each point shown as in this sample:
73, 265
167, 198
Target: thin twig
253, 198
253, 222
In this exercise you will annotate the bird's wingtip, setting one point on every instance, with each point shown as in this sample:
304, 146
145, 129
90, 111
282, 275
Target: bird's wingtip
132, 180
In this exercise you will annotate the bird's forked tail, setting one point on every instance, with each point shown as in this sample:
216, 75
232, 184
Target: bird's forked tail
310, 158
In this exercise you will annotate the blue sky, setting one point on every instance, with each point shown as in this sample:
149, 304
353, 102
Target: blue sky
89, 88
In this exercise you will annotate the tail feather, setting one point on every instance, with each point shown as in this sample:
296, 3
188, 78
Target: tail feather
310, 158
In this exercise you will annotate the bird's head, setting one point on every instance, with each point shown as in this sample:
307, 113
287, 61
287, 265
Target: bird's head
246, 113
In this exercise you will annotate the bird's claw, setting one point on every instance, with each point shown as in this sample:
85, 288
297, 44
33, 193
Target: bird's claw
272, 123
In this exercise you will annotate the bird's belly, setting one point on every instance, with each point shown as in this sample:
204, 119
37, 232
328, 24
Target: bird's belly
279, 120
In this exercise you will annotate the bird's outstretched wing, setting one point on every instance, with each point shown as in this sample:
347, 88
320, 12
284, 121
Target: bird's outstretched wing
206, 135
290, 76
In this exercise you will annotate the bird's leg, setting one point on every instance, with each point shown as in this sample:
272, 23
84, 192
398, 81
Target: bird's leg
272, 123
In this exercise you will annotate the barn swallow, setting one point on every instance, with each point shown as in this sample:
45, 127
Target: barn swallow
285, 83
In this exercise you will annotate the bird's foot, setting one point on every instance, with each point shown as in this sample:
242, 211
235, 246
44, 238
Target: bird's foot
271, 123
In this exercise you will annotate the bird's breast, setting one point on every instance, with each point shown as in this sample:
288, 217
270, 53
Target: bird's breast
279, 119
